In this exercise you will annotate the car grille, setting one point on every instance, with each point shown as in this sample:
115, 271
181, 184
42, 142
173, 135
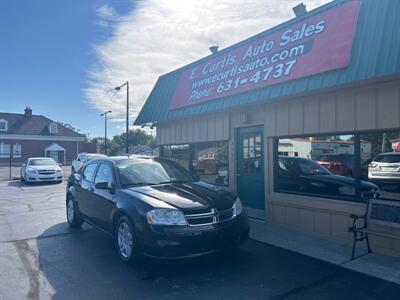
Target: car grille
209, 218
46, 172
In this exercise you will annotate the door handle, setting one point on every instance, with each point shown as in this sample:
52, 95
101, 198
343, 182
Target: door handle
91, 189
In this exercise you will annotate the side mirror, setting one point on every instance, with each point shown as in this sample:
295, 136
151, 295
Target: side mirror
77, 177
105, 186
60, 165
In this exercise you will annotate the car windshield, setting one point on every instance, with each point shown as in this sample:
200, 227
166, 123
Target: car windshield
326, 158
42, 162
388, 158
150, 172
307, 166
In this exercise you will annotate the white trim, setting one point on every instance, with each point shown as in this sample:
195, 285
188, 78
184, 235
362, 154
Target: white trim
3, 153
54, 147
6, 122
19, 153
40, 137
53, 128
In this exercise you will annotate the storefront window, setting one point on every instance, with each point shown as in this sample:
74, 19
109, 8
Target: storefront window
380, 164
177, 153
320, 166
210, 162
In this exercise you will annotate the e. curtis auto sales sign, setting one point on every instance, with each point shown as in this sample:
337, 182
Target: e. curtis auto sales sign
314, 45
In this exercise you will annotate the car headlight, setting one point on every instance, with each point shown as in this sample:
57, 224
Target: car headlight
347, 190
237, 207
59, 170
30, 170
165, 216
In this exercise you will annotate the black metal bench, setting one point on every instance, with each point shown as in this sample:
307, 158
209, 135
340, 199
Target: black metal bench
385, 213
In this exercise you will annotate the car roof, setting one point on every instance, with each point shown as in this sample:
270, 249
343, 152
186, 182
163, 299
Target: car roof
389, 153
117, 159
32, 158
293, 158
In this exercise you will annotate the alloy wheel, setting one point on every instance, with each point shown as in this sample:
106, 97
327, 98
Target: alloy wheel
125, 240
70, 211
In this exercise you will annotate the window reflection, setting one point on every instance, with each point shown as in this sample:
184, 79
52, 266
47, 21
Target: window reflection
382, 164
207, 160
177, 153
210, 162
321, 166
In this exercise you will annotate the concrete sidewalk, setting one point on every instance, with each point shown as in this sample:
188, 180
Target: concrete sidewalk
373, 264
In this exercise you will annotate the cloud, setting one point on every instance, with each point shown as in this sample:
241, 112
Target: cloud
158, 36
107, 16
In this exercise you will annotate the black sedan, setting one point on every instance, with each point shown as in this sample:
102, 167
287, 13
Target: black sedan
304, 176
154, 207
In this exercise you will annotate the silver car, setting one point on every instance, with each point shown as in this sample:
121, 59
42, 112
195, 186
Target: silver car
82, 159
38, 169
385, 168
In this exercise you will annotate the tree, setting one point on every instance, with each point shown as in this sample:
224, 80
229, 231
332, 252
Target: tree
117, 144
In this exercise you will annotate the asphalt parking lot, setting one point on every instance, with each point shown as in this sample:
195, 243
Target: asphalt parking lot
41, 258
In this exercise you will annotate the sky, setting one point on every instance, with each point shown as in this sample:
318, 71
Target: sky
64, 58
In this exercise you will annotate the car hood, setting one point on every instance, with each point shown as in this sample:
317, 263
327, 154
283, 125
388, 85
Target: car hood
342, 180
55, 167
190, 197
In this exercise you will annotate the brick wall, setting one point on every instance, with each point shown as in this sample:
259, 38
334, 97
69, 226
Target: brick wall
32, 148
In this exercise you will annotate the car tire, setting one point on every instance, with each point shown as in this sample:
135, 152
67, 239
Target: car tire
126, 243
72, 170
74, 221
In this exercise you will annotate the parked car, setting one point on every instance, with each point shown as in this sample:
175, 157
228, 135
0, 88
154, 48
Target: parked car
153, 206
83, 158
38, 169
302, 175
339, 164
385, 168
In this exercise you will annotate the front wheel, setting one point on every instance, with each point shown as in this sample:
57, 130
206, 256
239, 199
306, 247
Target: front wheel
73, 219
125, 240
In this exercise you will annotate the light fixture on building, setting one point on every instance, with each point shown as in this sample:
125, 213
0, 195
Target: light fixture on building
299, 10
244, 118
213, 49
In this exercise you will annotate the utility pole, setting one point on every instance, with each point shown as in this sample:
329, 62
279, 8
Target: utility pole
127, 114
105, 129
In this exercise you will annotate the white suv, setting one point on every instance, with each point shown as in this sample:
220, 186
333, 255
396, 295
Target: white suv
385, 168
82, 159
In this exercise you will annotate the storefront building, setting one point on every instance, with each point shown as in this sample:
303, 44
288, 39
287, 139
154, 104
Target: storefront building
297, 120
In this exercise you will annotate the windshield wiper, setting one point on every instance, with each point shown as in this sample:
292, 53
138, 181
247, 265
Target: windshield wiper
138, 184
173, 181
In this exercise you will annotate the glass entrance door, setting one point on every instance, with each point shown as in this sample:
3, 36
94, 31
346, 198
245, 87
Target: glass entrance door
250, 167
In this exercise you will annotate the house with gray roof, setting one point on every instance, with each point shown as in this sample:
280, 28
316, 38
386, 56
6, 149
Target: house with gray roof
28, 135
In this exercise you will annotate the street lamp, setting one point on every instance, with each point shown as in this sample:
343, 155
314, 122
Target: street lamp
105, 129
127, 114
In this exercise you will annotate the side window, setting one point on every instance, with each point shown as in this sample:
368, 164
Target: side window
88, 173
104, 174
